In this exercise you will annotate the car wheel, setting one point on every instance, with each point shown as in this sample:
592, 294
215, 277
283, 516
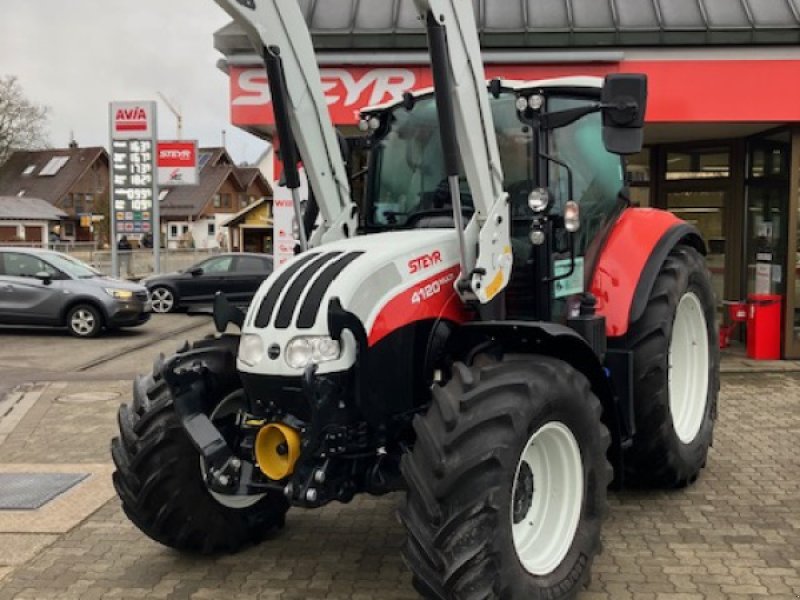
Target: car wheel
84, 321
162, 299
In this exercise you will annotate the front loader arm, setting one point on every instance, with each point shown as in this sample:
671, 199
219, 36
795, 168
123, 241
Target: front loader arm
278, 25
468, 134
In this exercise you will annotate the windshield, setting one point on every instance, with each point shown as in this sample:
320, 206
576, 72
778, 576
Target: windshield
71, 266
411, 177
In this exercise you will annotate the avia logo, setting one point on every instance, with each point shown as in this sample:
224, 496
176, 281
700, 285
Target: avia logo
340, 86
426, 261
130, 119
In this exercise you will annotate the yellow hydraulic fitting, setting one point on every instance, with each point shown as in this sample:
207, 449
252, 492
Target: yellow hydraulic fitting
277, 450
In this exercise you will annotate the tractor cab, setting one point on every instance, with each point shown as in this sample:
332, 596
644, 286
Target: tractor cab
555, 164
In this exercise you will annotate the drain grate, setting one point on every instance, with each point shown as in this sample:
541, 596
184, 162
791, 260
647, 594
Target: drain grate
29, 491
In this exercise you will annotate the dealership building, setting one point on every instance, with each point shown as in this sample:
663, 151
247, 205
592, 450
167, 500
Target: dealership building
722, 139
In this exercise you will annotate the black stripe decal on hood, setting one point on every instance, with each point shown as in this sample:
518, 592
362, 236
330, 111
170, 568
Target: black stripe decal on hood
308, 312
268, 304
292, 297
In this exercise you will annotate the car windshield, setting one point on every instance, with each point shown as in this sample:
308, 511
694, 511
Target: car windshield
71, 266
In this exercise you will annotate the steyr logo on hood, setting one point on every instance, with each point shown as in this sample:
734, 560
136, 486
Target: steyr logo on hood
426, 261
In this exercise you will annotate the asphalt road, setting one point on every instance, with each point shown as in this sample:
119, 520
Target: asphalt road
33, 354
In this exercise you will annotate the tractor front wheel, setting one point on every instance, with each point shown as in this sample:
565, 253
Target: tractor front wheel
160, 478
507, 483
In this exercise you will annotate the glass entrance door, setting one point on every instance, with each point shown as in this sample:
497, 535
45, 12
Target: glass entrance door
791, 347
767, 200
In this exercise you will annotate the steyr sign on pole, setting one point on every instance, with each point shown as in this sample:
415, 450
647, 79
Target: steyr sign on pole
134, 189
177, 163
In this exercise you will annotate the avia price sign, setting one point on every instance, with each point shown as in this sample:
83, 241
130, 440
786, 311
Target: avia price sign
177, 163
133, 167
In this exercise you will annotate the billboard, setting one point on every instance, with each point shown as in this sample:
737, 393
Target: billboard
177, 163
133, 183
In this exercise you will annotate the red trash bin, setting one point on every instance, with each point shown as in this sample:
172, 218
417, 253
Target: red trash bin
764, 326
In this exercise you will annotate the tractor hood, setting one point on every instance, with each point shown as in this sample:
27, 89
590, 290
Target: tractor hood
386, 280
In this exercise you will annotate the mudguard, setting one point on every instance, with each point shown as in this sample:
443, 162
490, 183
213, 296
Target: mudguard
630, 261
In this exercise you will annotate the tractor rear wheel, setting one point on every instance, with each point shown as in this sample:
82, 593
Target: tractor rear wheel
160, 478
507, 483
676, 375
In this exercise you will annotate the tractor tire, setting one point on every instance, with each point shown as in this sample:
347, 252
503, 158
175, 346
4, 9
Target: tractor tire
487, 515
676, 375
159, 478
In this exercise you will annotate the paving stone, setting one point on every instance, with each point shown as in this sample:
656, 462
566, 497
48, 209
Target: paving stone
734, 534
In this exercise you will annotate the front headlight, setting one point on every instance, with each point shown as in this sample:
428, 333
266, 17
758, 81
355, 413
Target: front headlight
119, 294
251, 349
302, 351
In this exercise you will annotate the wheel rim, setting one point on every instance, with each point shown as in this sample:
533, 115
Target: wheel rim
688, 368
162, 300
83, 322
226, 407
546, 499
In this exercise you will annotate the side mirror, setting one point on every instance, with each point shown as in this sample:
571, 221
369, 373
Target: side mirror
45, 277
196, 271
624, 102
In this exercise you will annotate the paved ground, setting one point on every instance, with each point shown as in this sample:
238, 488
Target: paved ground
736, 534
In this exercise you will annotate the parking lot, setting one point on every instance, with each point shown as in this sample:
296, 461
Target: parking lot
735, 534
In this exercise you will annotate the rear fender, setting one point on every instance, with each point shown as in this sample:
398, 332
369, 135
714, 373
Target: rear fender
630, 261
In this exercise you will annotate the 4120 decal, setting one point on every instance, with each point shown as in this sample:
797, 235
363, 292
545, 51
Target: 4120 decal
430, 290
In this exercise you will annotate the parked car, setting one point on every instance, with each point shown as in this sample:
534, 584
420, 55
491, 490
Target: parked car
42, 287
237, 275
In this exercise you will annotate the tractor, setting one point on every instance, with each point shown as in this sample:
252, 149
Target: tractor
493, 331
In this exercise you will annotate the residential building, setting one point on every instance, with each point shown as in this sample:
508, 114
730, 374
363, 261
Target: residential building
27, 220
74, 180
722, 135
195, 216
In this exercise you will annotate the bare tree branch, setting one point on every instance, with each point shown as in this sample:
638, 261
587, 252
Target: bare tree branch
23, 124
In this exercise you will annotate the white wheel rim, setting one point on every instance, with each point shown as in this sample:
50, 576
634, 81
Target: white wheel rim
161, 300
543, 533
688, 368
227, 500
82, 322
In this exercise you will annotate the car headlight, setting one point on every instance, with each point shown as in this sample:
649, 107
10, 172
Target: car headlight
302, 351
251, 349
119, 294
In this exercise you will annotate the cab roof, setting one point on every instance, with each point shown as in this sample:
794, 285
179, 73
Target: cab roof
513, 84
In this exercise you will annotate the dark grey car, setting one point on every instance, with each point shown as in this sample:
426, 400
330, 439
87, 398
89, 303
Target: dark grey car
40, 287
237, 275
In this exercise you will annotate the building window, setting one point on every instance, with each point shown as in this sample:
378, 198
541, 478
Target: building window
53, 166
217, 200
226, 201
163, 194
212, 229
69, 229
29, 170
67, 201
638, 175
173, 231
708, 163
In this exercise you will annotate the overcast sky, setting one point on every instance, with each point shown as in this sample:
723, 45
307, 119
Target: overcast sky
76, 56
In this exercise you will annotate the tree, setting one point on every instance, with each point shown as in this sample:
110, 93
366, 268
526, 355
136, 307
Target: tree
23, 124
